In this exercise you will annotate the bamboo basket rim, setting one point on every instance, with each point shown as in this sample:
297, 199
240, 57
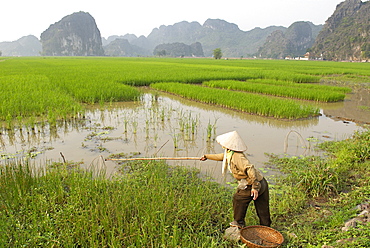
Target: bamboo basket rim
265, 237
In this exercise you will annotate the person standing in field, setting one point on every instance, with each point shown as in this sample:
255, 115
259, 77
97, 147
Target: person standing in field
251, 183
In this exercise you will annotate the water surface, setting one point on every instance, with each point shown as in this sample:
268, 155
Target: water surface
163, 125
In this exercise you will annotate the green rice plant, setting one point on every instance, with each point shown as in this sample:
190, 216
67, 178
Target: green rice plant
175, 138
281, 88
250, 103
85, 72
76, 80
162, 115
182, 124
55, 87
287, 76
312, 86
134, 125
147, 129
91, 87
34, 95
211, 130
125, 123
194, 124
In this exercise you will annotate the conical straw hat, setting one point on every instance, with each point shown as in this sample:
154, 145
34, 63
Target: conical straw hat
232, 141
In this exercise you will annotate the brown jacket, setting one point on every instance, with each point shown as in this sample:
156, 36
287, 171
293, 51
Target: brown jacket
241, 168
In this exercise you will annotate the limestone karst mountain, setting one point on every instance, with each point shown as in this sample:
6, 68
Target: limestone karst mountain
74, 35
346, 34
344, 37
292, 42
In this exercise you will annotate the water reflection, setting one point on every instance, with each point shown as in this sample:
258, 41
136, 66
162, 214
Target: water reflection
168, 126
355, 108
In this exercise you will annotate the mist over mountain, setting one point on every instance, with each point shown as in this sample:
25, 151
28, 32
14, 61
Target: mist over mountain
214, 33
128, 37
121, 47
25, 46
179, 49
78, 35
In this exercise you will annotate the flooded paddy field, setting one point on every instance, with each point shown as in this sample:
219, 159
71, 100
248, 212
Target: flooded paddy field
163, 125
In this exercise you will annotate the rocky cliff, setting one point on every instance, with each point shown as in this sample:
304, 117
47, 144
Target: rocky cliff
293, 42
74, 35
346, 34
78, 35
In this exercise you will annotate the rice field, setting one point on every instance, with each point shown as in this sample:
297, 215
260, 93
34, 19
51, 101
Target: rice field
250, 103
149, 204
49, 88
312, 92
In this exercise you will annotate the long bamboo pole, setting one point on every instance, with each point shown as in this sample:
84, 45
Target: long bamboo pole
159, 158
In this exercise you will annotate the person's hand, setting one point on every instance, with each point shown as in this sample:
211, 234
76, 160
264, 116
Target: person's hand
254, 193
203, 158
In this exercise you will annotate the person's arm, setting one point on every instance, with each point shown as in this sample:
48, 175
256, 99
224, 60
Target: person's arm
216, 157
251, 171
254, 194
245, 167
256, 185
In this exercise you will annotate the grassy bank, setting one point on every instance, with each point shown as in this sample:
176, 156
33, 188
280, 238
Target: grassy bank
318, 195
150, 204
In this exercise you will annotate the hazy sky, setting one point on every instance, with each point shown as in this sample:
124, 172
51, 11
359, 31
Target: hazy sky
113, 17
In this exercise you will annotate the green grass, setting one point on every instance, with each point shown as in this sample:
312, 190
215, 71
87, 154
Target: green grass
150, 205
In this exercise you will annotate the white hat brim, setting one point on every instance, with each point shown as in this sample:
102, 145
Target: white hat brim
232, 141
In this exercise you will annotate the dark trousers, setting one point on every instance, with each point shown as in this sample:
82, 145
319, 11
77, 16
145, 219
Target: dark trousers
243, 197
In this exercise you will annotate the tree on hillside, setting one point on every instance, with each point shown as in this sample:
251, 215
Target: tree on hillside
365, 49
217, 53
161, 53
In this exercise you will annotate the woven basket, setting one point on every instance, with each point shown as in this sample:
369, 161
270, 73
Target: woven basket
261, 237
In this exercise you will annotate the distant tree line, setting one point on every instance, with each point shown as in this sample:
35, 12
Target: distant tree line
179, 49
